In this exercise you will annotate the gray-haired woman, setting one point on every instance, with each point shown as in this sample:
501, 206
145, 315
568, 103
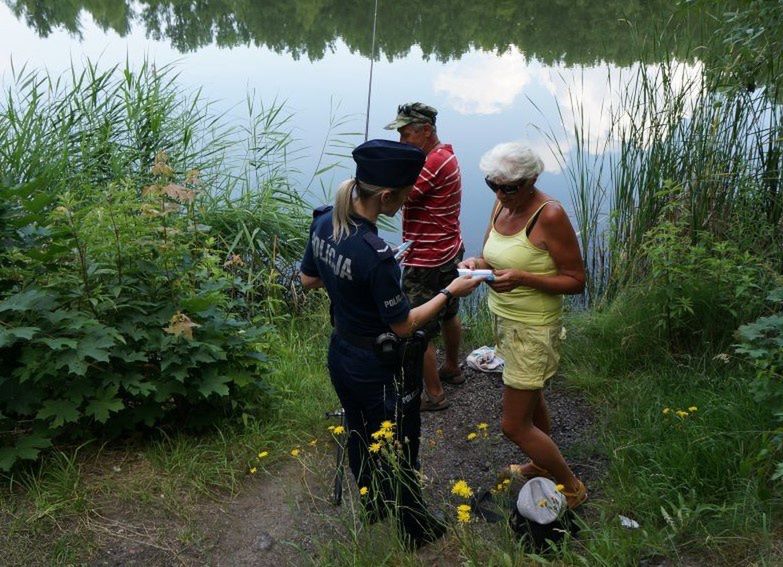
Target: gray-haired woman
532, 249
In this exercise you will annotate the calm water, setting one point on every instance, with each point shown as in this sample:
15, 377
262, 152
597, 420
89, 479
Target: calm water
496, 71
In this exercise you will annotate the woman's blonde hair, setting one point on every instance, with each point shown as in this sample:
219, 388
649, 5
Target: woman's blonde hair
343, 204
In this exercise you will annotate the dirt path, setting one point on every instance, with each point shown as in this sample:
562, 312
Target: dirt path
283, 518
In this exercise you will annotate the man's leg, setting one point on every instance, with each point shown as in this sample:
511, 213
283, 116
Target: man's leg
430, 371
452, 336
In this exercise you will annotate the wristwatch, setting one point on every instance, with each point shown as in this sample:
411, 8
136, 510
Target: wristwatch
448, 294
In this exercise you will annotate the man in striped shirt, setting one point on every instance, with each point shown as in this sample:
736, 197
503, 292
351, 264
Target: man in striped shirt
431, 220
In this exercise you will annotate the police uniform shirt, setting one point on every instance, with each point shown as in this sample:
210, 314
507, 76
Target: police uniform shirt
359, 273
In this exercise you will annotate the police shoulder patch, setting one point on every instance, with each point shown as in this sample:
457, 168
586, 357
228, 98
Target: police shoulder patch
318, 211
379, 245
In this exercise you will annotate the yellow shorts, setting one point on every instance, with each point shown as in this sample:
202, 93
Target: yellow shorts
531, 352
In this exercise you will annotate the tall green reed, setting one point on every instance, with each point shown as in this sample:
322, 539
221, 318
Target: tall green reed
675, 149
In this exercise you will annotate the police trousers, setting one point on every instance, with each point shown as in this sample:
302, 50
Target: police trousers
384, 464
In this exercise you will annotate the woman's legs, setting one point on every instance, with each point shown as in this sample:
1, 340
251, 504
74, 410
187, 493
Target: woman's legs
526, 422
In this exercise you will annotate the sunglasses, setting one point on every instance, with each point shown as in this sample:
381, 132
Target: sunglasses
507, 189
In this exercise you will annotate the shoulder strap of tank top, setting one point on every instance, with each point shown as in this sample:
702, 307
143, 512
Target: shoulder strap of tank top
496, 212
534, 217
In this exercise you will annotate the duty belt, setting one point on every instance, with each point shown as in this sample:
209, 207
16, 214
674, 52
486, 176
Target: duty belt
360, 341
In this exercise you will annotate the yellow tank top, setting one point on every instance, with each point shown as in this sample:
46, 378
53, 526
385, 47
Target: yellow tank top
523, 304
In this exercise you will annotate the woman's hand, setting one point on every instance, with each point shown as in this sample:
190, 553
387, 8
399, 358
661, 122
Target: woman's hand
506, 280
473, 263
460, 287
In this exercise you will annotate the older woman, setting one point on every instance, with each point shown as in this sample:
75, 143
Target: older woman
532, 249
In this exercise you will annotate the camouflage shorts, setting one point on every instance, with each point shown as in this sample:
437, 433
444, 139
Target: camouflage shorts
422, 284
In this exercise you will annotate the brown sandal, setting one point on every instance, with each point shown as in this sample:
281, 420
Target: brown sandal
524, 472
430, 403
576, 498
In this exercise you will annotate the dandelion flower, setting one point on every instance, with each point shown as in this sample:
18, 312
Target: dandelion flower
363, 490
375, 447
339, 430
506, 481
463, 513
559, 487
482, 425
263, 454
472, 435
693, 409
253, 470
295, 452
331, 428
681, 413
666, 410
462, 489
387, 425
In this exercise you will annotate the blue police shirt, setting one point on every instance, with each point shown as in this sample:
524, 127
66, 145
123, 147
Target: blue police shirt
360, 274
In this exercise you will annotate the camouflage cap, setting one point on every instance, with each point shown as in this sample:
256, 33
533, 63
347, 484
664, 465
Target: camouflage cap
413, 113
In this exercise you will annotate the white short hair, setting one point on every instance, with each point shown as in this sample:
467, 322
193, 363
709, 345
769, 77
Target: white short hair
511, 161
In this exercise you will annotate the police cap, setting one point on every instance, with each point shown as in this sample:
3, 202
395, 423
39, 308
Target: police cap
388, 164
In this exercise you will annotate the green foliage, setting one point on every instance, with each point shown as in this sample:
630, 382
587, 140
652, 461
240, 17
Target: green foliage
761, 342
120, 306
698, 288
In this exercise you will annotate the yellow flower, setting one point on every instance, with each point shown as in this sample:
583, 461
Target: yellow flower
363, 490
388, 434
693, 408
559, 487
500, 486
666, 410
472, 435
338, 430
482, 425
253, 470
387, 425
506, 481
331, 428
463, 513
295, 452
313, 442
462, 489
439, 432
681, 413
263, 454
375, 447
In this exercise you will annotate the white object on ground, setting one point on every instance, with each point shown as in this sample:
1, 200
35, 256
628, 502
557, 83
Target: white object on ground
485, 275
484, 359
540, 501
628, 522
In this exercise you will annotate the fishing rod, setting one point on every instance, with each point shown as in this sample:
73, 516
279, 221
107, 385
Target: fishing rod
372, 64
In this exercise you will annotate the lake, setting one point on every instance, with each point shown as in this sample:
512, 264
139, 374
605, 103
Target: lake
496, 71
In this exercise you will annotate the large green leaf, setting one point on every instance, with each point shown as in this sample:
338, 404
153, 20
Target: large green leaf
10, 336
105, 403
27, 448
27, 300
63, 411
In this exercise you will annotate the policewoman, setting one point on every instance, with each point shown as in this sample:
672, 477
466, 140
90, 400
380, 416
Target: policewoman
362, 278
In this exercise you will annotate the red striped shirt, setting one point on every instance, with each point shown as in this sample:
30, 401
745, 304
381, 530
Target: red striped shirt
430, 216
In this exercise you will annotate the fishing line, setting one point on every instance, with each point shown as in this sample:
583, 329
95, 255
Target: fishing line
372, 63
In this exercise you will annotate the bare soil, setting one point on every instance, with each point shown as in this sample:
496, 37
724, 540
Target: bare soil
283, 517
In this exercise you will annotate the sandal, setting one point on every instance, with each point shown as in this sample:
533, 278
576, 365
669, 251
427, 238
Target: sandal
576, 498
430, 403
524, 472
453, 378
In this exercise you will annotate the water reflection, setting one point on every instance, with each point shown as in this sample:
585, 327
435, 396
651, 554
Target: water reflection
564, 31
